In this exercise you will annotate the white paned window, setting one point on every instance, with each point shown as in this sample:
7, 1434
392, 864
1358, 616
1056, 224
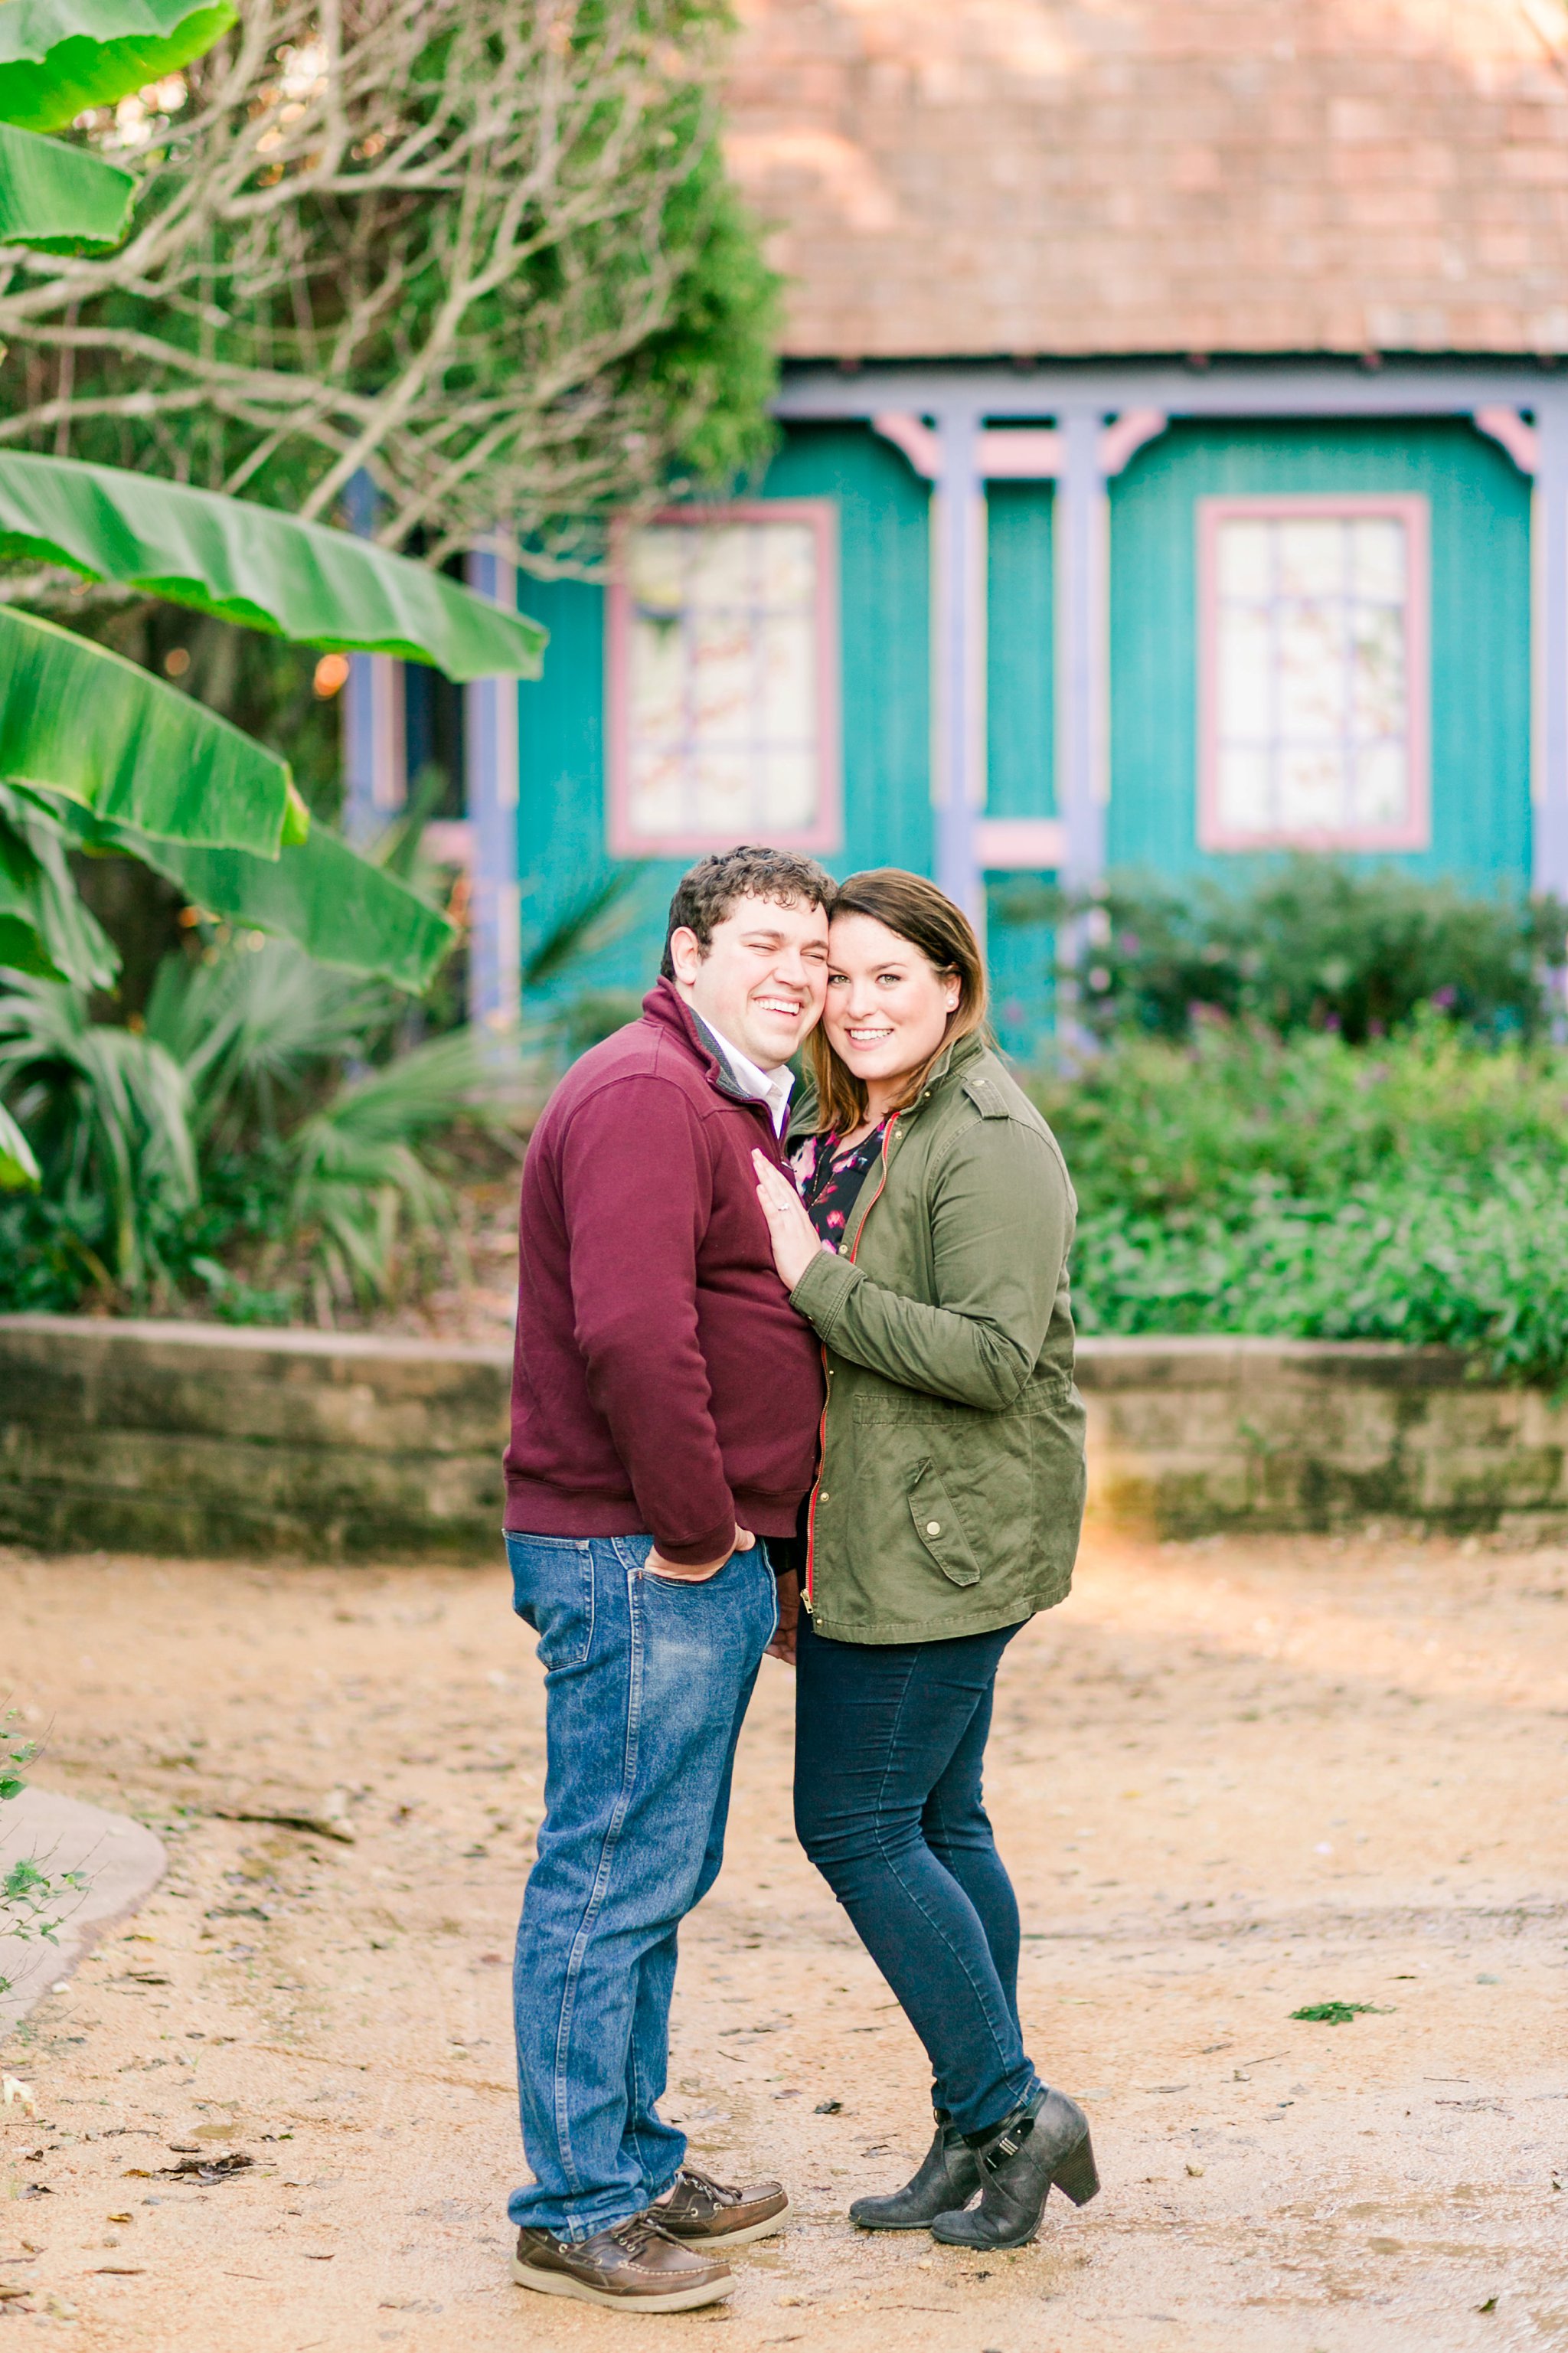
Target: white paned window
723, 658
1314, 687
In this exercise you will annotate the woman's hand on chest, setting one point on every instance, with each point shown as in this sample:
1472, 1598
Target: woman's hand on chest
791, 1232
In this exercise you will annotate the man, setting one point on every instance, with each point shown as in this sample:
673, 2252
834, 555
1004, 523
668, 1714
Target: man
665, 1401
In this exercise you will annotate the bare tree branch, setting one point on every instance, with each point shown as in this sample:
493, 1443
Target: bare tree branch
447, 241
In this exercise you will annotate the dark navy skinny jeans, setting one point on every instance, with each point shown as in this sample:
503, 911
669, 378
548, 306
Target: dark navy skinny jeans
890, 1740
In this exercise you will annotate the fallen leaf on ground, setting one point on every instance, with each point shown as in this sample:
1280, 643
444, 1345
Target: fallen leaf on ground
292, 1809
207, 2168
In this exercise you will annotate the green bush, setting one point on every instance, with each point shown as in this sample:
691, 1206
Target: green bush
268, 1111
1306, 1188
1307, 942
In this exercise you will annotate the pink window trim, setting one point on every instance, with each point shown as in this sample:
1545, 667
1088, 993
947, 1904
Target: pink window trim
827, 832
1414, 831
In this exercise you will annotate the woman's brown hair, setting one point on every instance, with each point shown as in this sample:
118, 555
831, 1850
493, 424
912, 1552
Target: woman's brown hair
918, 912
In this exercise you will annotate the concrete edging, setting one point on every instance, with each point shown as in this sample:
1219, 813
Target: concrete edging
204, 1439
122, 1862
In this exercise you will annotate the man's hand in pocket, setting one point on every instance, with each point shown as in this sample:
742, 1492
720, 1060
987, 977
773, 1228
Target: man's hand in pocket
681, 1573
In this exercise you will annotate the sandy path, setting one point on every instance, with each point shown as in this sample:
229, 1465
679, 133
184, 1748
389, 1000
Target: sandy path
1231, 1779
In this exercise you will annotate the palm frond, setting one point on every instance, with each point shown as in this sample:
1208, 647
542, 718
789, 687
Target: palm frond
107, 1111
252, 1028
592, 920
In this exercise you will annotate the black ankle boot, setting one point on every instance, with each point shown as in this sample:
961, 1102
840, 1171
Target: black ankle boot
1045, 2141
946, 2181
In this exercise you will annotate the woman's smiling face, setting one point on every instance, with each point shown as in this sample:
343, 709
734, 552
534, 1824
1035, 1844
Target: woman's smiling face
888, 1008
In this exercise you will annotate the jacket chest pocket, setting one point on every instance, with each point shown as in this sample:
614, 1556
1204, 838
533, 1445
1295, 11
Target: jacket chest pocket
938, 1526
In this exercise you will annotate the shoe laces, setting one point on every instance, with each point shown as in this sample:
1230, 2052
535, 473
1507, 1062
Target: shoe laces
716, 2189
636, 2233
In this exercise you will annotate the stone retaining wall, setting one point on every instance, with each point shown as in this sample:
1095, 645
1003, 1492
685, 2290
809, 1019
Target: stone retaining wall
197, 1437
194, 1438
1187, 1437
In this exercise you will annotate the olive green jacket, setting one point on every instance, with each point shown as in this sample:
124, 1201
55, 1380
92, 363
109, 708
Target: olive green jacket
950, 1488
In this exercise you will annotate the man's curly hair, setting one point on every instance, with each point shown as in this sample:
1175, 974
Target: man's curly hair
708, 890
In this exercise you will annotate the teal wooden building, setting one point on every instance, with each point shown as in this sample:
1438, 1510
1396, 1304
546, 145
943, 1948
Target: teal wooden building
1173, 468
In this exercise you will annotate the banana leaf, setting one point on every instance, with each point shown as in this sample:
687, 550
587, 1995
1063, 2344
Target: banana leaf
339, 907
58, 58
249, 563
17, 1166
60, 199
45, 929
82, 722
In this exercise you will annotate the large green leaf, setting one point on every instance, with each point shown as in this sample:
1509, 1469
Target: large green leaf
341, 909
320, 893
17, 1166
58, 58
44, 927
62, 199
81, 721
248, 563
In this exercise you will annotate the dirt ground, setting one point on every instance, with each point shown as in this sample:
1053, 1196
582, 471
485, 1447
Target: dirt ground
1232, 1780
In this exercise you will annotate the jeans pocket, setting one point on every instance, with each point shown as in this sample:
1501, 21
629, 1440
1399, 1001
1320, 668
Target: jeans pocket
637, 1551
552, 1592
663, 1577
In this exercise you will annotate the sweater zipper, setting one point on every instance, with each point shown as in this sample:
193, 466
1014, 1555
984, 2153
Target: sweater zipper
822, 1425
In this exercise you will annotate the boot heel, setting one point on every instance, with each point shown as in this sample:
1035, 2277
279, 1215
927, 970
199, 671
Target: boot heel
1077, 2176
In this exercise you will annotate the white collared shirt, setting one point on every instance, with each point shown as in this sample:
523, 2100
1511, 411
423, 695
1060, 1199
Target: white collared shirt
772, 1087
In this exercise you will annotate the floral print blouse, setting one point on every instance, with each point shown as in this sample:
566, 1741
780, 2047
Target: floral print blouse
830, 1180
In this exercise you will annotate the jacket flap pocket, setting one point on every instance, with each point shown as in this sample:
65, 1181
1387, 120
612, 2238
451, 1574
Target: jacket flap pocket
937, 1526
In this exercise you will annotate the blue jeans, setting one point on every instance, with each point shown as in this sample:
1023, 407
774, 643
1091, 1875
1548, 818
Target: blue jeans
646, 1690
889, 1739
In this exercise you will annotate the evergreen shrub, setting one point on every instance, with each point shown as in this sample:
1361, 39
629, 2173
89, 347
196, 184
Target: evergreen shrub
1241, 1182
1308, 943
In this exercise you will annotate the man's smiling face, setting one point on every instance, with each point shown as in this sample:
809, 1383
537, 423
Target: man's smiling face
762, 982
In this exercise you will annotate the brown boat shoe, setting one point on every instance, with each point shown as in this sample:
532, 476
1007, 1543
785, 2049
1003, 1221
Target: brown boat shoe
703, 2213
635, 2266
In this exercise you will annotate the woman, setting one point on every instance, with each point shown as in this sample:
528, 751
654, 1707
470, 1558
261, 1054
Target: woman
928, 1246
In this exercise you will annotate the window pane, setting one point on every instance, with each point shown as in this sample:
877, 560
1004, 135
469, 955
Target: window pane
1380, 785
1244, 788
1311, 788
1245, 559
1310, 556
1377, 670
1312, 675
1377, 558
1245, 684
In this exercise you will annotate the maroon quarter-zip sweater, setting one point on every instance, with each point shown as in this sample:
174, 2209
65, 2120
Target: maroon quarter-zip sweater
663, 1383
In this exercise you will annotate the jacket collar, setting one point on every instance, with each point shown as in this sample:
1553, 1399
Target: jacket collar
666, 1007
952, 1059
